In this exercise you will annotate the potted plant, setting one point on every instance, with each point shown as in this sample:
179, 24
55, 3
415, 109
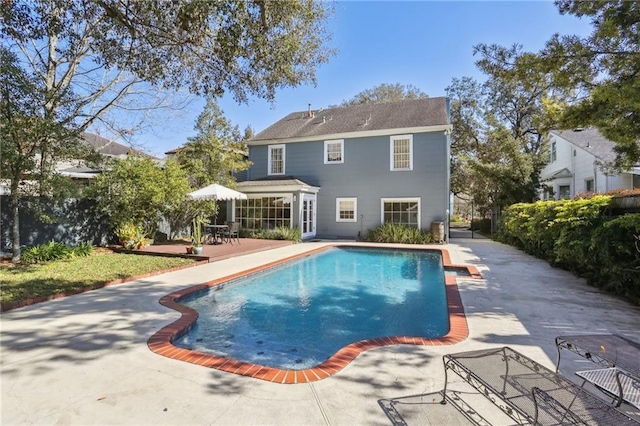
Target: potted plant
196, 236
127, 234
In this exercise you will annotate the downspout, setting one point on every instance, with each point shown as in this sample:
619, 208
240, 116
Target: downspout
447, 195
572, 193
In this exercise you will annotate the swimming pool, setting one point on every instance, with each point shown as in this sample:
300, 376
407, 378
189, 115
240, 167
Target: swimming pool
297, 315
279, 309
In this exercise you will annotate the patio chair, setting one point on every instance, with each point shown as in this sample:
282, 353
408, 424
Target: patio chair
232, 232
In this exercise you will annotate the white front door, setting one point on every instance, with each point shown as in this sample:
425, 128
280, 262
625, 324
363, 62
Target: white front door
308, 215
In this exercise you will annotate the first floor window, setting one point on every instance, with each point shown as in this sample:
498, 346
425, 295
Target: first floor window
264, 212
346, 209
564, 192
589, 185
276, 159
403, 211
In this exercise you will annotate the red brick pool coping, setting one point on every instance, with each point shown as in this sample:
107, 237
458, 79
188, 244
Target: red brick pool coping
161, 342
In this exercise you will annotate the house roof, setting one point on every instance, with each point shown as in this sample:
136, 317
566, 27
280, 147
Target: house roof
562, 173
590, 140
275, 183
111, 148
358, 118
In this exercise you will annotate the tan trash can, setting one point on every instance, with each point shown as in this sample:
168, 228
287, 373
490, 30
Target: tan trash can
437, 231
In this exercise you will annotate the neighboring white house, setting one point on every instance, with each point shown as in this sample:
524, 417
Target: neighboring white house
106, 147
578, 162
78, 170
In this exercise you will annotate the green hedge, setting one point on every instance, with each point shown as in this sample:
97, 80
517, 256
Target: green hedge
580, 236
483, 225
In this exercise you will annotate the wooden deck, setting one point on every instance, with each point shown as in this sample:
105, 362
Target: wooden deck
211, 253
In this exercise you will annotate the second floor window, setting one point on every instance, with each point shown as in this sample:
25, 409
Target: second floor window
552, 152
334, 152
402, 152
276, 160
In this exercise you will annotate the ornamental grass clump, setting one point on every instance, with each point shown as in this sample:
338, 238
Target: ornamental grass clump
279, 233
398, 233
54, 251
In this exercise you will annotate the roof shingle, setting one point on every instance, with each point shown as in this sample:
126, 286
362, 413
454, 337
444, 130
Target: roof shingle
358, 118
109, 147
591, 141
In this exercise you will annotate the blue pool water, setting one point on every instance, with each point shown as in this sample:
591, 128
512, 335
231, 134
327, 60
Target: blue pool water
297, 315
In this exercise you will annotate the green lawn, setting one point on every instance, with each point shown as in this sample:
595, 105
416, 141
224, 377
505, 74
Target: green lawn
23, 282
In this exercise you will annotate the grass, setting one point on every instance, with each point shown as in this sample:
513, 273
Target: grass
22, 282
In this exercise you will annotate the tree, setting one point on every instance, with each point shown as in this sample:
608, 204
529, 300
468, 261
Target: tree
498, 144
139, 192
216, 151
31, 142
385, 93
92, 59
246, 47
179, 210
605, 69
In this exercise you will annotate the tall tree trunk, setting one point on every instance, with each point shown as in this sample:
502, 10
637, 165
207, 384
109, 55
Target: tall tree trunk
15, 212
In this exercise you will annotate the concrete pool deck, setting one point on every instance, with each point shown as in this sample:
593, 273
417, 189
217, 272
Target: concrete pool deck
84, 359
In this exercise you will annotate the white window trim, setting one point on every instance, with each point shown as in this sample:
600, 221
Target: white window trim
558, 191
400, 200
261, 195
355, 209
586, 184
284, 163
553, 152
391, 144
326, 157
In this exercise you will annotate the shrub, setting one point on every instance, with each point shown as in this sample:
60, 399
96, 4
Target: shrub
616, 256
82, 250
579, 235
131, 236
398, 233
482, 225
456, 218
279, 233
54, 251
576, 220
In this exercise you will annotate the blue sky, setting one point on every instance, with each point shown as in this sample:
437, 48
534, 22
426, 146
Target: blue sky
423, 43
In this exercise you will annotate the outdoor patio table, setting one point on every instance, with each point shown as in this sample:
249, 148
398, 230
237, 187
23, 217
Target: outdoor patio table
620, 358
615, 382
605, 350
215, 232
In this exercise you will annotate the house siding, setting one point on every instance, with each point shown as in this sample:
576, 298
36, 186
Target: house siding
583, 166
365, 174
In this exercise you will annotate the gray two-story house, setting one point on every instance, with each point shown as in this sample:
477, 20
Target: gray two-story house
338, 172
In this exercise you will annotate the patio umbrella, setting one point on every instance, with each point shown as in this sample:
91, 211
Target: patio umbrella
217, 192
